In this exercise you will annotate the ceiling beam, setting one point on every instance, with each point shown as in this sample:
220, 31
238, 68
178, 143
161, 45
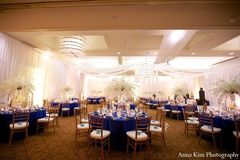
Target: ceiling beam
165, 15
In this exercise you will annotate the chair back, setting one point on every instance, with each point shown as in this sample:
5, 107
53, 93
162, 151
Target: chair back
20, 116
174, 107
143, 124
95, 122
189, 109
237, 125
206, 119
65, 105
77, 113
185, 115
83, 102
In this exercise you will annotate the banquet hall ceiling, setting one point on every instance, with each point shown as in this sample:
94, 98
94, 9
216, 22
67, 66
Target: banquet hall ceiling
128, 28
142, 42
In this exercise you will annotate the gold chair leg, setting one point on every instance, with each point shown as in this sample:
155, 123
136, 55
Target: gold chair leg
102, 152
109, 144
214, 141
200, 136
236, 144
127, 144
135, 150
148, 148
11, 136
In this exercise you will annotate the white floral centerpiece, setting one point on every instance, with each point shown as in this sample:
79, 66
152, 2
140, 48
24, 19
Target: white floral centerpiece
67, 91
179, 92
18, 90
121, 89
227, 89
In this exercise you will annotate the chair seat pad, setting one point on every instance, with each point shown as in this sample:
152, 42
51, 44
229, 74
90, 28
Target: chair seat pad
235, 134
208, 129
140, 137
52, 115
154, 122
166, 110
96, 134
175, 111
65, 109
20, 125
155, 129
193, 122
193, 118
83, 126
45, 120
84, 120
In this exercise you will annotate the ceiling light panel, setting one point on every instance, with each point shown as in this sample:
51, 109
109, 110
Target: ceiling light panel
99, 61
192, 63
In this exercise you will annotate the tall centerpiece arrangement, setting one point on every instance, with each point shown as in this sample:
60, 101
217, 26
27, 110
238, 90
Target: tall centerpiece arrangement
18, 90
225, 90
67, 92
179, 92
120, 89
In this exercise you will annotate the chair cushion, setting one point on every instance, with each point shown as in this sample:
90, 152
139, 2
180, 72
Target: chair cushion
65, 109
45, 120
140, 137
155, 129
76, 108
192, 118
84, 120
154, 122
52, 115
208, 129
20, 125
166, 110
96, 134
83, 126
193, 122
175, 111
235, 134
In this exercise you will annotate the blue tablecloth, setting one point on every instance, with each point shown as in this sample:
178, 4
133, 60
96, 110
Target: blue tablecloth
70, 105
180, 108
6, 119
94, 100
227, 126
118, 128
132, 106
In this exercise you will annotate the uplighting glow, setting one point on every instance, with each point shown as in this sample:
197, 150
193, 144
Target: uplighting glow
176, 36
192, 63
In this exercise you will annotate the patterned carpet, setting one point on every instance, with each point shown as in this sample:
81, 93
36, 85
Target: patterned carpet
60, 145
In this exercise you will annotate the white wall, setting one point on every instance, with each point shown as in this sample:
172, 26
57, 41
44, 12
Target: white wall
95, 86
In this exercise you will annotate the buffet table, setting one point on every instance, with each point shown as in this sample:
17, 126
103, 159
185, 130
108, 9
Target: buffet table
6, 119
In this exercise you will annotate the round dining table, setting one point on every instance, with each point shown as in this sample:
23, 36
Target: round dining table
118, 126
71, 106
6, 119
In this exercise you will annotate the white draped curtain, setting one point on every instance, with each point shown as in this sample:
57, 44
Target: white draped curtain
210, 78
48, 75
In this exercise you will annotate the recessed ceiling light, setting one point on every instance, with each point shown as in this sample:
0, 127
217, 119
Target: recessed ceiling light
193, 53
231, 53
118, 53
